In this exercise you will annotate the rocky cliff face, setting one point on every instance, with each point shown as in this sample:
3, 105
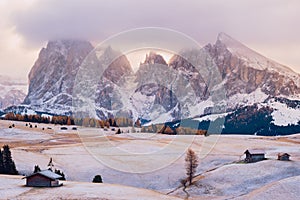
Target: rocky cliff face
245, 70
109, 86
53, 76
191, 74
242, 70
160, 91
153, 58
51, 79
156, 82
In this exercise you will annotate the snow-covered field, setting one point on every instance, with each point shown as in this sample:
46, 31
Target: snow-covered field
150, 161
12, 187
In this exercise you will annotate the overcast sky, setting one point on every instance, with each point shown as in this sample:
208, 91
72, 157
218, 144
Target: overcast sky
270, 27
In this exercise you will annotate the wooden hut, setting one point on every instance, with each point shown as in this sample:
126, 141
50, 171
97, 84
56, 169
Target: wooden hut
255, 156
45, 178
283, 156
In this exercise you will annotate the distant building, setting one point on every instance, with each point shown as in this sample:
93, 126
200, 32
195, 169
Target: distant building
45, 178
255, 156
283, 156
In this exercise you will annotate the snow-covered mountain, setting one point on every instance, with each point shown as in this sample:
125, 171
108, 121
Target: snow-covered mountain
258, 90
225, 80
99, 88
51, 79
12, 91
251, 85
246, 70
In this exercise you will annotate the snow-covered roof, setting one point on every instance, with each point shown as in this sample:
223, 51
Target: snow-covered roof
256, 151
47, 173
283, 154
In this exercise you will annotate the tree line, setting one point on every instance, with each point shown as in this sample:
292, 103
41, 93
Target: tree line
69, 120
62, 120
100, 123
155, 128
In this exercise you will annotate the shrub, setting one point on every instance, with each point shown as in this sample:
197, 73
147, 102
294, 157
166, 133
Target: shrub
97, 179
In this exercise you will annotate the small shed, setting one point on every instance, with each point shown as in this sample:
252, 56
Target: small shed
283, 156
44, 178
255, 156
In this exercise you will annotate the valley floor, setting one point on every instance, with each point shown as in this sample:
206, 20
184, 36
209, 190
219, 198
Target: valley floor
152, 162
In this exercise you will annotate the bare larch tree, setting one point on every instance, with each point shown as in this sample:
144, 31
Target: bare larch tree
191, 162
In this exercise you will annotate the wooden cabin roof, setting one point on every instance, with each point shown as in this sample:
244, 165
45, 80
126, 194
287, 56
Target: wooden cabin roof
256, 152
46, 173
283, 154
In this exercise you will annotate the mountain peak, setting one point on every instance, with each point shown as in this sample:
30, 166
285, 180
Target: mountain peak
67, 41
66, 44
223, 35
154, 58
228, 41
251, 57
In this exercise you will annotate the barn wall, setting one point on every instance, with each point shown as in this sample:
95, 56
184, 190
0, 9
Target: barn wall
54, 183
38, 181
286, 158
257, 157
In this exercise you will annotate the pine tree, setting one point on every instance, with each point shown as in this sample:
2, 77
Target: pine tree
110, 121
9, 166
115, 124
63, 178
1, 162
50, 164
36, 169
118, 131
57, 171
191, 160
